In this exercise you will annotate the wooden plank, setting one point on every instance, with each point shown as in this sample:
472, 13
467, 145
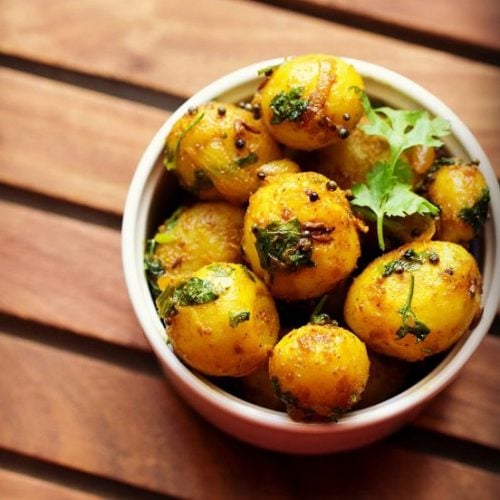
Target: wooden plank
92, 278
65, 273
474, 22
100, 418
14, 485
469, 408
159, 45
71, 143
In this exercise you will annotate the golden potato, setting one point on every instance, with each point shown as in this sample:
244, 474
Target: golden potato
415, 301
347, 162
193, 237
319, 371
221, 320
216, 149
300, 235
311, 101
461, 193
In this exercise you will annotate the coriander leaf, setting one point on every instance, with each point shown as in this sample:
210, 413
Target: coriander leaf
282, 246
476, 215
387, 190
403, 129
288, 106
403, 201
409, 319
170, 160
194, 291
385, 195
235, 318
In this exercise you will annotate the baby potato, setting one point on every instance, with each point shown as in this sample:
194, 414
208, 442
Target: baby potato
415, 301
461, 193
216, 149
300, 235
221, 320
319, 371
312, 101
347, 162
193, 237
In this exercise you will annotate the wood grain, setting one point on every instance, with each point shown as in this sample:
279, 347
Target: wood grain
65, 273
469, 408
71, 143
179, 46
117, 423
473, 22
16, 486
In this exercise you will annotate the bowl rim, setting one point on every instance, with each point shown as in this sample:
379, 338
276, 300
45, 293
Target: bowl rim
135, 217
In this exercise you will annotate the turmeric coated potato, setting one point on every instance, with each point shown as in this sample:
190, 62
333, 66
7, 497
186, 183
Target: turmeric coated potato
312, 101
461, 193
319, 371
193, 237
415, 301
347, 162
221, 320
300, 235
216, 149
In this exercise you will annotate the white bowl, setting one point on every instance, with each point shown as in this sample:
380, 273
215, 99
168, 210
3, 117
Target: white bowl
254, 424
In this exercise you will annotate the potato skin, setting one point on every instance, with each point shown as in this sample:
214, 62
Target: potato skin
328, 103
319, 370
216, 154
327, 227
210, 338
457, 189
446, 299
199, 235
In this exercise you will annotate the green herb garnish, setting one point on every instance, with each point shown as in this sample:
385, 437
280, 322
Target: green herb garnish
288, 106
153, 267
235, 318
163, 235
194, 291
387, 191
246, 160
321, 318
283, 246
476, 215
410, 322
170, 160
409, 261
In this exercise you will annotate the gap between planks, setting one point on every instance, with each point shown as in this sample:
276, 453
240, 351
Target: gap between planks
370, 20
22, 476
93, 424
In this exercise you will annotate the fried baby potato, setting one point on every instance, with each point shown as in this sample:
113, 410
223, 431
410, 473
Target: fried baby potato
461, 193
300, 235
221, 321
312, 101
193, 237
216, 149
415, 301
319, 371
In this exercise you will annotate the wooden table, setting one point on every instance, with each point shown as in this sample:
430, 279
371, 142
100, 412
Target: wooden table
84, 409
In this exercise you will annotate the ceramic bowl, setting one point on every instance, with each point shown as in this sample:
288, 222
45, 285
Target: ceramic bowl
259, 426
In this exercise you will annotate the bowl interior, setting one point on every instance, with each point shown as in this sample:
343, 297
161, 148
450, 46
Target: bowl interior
154, 192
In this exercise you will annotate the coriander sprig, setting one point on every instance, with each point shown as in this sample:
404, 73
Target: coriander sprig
387, 191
